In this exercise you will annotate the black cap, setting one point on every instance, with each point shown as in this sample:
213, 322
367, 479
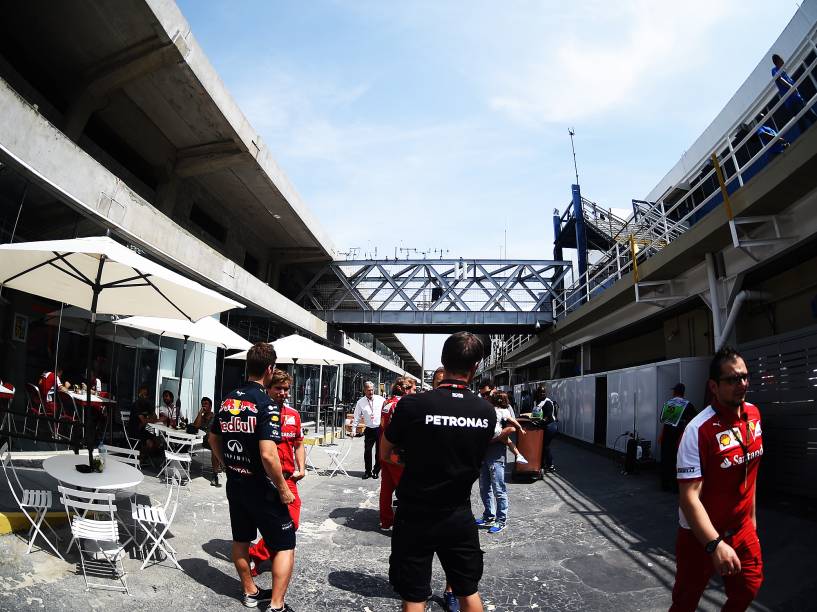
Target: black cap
679, 388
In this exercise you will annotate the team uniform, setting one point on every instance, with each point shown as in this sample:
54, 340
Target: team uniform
391, 473
246, 417
291, 434
48, 384
724, 452
434, 515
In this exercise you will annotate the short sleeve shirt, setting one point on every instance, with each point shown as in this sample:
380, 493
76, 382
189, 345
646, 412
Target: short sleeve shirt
291, 434
443, 436
245, 417
724, 452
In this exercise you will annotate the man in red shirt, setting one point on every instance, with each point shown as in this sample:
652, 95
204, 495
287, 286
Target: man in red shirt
291, 453
391, 472
717, 466
48, 385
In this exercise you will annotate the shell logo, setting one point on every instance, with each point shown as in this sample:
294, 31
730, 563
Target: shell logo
725, 439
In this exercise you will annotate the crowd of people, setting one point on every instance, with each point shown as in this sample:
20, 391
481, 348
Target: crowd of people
257, 438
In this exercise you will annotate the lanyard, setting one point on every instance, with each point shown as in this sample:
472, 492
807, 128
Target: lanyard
745, 448
453, 386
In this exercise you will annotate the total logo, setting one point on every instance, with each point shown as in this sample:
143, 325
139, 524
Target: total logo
235, 446
236, 425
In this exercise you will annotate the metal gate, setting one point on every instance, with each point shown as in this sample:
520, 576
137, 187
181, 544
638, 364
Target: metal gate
783, 384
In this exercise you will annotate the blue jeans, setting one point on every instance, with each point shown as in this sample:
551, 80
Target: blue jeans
492, 484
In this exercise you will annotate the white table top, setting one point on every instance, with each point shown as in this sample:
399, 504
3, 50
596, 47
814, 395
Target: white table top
162, 428
116, 475
95, 399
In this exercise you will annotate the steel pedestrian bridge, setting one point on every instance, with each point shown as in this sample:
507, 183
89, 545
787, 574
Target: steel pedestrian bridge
436, 295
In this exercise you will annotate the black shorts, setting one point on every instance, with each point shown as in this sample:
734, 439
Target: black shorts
418, 535
255, 505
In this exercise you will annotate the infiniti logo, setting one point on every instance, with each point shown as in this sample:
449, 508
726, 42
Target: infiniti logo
235, 446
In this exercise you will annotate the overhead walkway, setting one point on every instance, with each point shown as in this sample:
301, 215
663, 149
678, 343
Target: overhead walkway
436, 295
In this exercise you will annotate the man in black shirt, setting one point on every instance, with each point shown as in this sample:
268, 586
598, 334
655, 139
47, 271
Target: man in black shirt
442, 436
243, 437
676, 414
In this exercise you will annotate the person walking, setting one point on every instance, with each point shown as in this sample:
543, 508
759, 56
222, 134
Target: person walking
434, 513
717, 470
369, 409
244, 435
675, 416
391, 472
548, 411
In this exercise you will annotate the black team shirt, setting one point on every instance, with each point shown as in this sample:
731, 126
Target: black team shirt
442, 436
246, 416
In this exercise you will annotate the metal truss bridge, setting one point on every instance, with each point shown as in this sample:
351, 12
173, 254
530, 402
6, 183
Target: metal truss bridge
436, 295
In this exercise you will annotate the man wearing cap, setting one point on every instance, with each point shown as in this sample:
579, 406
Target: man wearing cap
675, 416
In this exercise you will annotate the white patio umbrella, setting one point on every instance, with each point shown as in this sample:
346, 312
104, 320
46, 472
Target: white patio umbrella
206, 331
104, 277
297, 349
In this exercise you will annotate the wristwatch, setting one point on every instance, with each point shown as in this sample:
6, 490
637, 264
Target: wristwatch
711, 546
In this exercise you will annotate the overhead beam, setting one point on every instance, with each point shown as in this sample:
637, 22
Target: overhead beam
210, 157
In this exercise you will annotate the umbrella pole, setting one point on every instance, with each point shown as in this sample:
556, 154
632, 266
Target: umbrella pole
90, 421
295, 386
181, 376
56, 426
335, 403
320, 388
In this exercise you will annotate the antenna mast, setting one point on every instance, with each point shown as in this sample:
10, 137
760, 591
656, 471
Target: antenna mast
572, 133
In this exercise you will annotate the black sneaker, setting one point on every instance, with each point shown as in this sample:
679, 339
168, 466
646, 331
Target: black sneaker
214, 481
375, 475
366, 476
286, 608
251, 601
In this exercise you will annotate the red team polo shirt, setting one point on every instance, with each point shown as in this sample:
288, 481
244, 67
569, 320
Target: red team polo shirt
724, 451
290, 433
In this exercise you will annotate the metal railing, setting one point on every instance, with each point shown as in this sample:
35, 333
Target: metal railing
659, 225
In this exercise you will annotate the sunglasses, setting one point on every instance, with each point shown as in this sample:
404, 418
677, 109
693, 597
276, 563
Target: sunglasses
733, 380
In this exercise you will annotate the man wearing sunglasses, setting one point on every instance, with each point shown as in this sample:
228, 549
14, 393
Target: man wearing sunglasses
717, 466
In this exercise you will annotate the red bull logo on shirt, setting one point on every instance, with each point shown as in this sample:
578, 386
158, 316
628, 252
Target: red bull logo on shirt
236, 406
236, 425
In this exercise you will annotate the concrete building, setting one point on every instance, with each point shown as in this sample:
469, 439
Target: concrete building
114, 120
710, 256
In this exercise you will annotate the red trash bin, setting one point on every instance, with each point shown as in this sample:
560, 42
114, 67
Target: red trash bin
530, 445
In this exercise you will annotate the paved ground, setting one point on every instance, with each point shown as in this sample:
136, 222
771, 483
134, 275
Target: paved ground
587, 539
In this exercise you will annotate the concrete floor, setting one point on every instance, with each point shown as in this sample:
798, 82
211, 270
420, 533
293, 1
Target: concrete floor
585, 539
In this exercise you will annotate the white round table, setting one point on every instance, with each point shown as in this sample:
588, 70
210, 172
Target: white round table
116, 475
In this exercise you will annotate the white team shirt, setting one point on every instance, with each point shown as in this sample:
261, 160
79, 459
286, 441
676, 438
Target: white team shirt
368, 410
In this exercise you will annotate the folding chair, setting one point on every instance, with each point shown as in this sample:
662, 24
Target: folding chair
338, 455
34, 502
96, 530
36, 409
155, 521
178, 447
123, 455
310, 442
68, 413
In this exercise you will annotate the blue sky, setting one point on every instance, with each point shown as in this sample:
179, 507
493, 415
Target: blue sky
439, 125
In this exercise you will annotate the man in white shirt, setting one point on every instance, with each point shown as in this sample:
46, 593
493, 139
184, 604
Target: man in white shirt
368, 410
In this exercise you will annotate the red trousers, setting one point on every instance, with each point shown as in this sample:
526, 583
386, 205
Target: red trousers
694, 569
258, 551
389, 478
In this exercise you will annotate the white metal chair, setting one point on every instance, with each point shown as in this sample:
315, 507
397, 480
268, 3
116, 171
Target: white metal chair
102, 528
337, 456
310, 442
178, 447
33, 503
155, 521
123, 455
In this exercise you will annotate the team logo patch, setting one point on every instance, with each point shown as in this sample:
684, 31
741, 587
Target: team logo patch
274, 418
726, 440
754, 427
726, 463
236, 406
289, 420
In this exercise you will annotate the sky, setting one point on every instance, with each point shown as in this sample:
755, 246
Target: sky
442, 126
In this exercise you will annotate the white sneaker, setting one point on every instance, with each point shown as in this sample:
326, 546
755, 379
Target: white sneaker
521, 459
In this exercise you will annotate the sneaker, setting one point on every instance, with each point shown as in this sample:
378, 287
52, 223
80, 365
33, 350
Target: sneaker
521, 459
385, 528
285, 608
375, 475
251, 601
214, 481
496, 528
485, 522
551, 468
450, 602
